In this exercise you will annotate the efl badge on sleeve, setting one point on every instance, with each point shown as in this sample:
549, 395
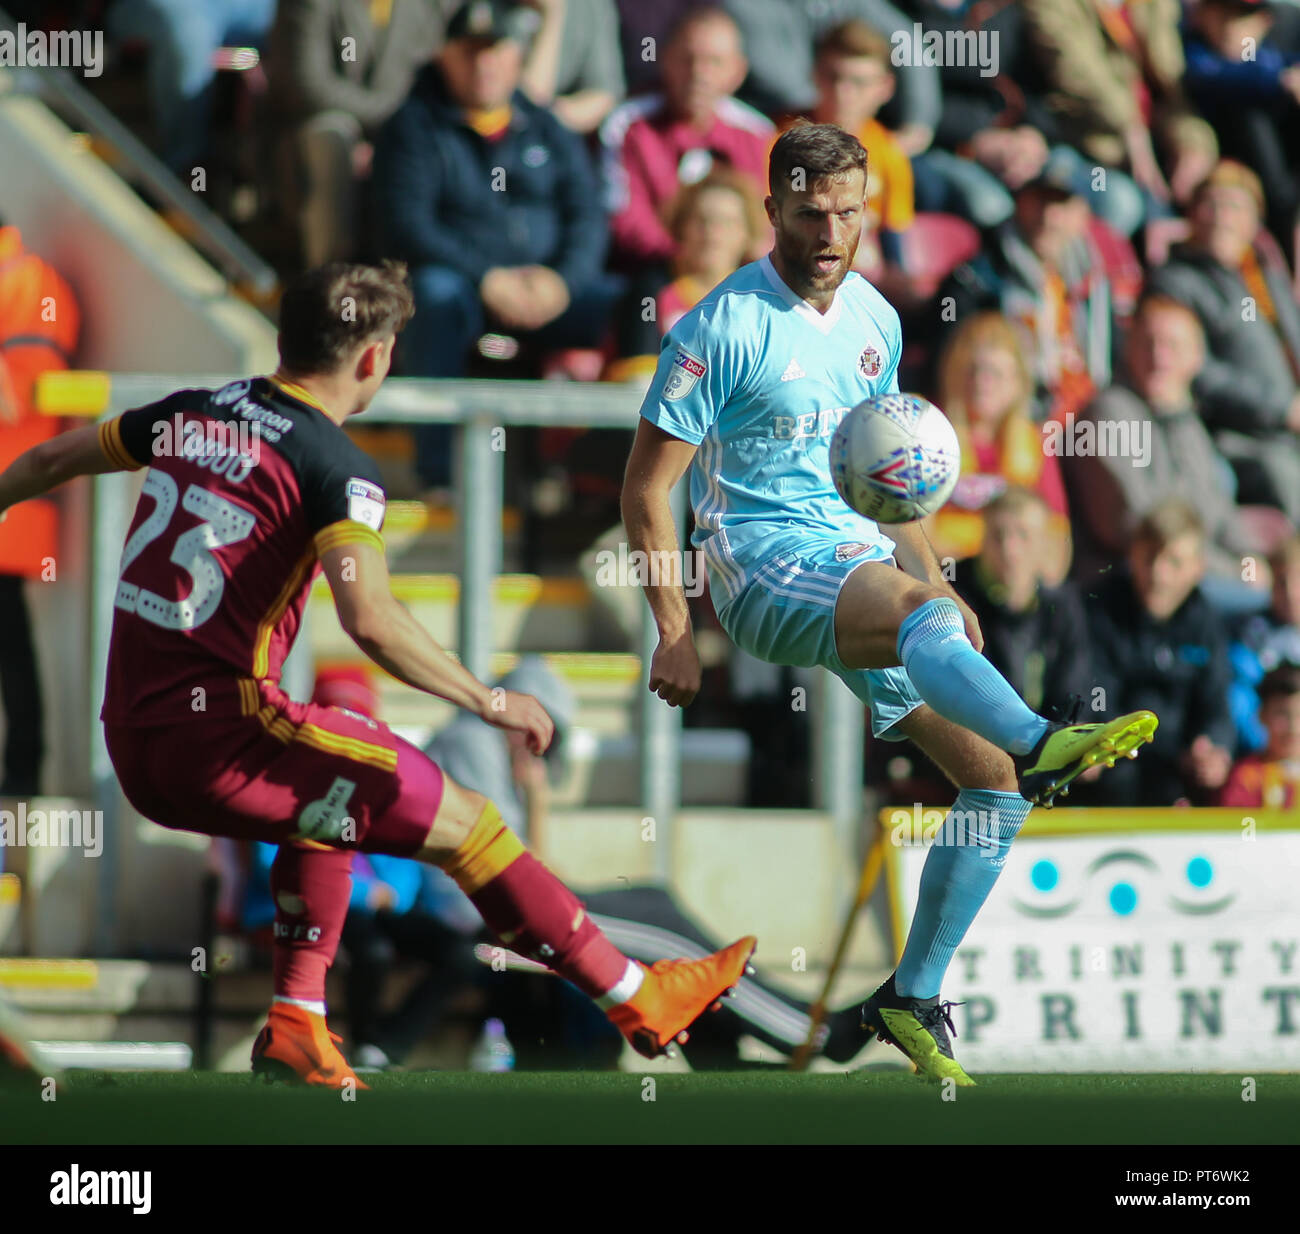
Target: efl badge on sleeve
686, 371
366, 503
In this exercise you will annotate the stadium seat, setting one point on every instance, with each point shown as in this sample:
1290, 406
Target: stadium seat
934, 246
1122, 265
1160, 235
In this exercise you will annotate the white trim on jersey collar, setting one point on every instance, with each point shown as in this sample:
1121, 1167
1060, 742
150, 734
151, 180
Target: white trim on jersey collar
825, 322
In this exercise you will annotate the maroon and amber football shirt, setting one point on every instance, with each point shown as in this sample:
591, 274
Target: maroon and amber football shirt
247, 486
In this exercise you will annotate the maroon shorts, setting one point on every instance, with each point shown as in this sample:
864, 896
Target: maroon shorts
282, 771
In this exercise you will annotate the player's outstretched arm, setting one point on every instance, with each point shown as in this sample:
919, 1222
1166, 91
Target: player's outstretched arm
385, 630
658, 460
46, 466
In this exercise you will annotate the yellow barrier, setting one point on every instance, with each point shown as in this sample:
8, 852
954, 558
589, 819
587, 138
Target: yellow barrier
73, 393
49, 974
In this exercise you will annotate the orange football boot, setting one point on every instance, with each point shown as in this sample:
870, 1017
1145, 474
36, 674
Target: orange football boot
296, 1046
674, 993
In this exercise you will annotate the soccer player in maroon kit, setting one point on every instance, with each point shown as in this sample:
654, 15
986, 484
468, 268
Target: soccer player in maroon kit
252, 490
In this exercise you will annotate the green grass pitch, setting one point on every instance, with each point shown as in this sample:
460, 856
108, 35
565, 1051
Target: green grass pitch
736, 1108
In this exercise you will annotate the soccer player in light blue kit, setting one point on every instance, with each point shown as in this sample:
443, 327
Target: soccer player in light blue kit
750, 387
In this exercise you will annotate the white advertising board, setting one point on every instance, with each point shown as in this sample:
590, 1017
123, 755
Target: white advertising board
1128, 950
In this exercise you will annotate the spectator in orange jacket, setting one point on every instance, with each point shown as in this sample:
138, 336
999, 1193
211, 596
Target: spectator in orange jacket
855, 79
39, 323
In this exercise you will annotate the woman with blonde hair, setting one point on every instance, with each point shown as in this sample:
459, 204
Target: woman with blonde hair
986, 390
717, 225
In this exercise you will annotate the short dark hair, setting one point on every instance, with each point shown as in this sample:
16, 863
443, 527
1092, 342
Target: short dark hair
854, 39
1159, 301
1281, 682
1228, 173
327, 313
700, 16
1017, 497
1166, 522
820, 151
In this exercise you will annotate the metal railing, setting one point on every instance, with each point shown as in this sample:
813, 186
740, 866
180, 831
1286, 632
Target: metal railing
477, 409
59, 90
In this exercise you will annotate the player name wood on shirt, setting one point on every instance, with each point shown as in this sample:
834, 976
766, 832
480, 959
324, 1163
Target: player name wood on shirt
229, 447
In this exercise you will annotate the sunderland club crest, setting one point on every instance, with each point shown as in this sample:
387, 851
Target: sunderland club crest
869, 362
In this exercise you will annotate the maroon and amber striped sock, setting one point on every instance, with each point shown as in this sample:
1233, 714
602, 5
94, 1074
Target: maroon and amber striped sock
311, 885
530, 910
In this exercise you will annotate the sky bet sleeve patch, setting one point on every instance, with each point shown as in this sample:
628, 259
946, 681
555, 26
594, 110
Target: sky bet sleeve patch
686, 372
366, 503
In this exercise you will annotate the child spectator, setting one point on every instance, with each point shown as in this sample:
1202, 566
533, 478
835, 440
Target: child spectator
1271, 779
1158, 645
854, 81
985, 388
1033, 634
1266, 641
779, 37
715, 224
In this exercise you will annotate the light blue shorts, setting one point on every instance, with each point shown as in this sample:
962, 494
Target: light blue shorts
786, 615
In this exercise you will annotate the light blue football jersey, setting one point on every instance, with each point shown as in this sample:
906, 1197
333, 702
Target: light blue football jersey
759, 380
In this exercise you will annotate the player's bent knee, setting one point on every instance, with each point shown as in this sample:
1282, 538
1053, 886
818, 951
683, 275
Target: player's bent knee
873, 604
978, 764
1001, 774
988, 768
458, 812
913, 597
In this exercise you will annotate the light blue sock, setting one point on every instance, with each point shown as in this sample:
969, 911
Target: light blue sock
959, 683
963, 864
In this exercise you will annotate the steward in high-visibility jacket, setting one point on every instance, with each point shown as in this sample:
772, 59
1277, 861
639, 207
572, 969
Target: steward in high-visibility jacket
39, 324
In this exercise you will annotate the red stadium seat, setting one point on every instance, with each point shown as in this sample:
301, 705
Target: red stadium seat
1160, 235
1121, 263
934, 246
